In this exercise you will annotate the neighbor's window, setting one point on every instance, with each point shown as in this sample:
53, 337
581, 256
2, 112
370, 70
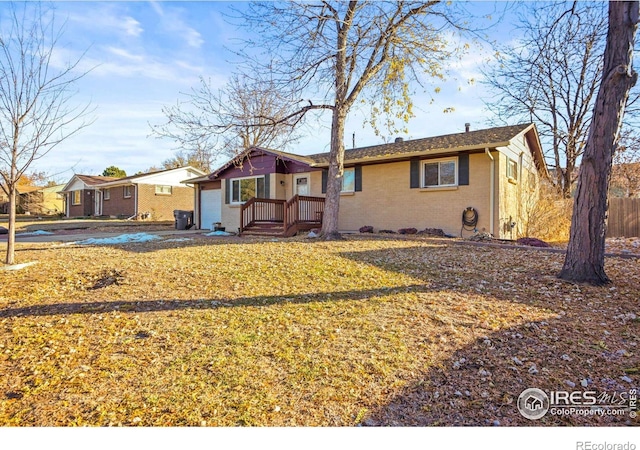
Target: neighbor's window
512, 169
106, 194
242, 189
438, 173
163, 190
77, 198
349, 180
127, 191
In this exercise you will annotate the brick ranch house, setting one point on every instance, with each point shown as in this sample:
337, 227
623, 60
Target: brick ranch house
420, 183
153, 195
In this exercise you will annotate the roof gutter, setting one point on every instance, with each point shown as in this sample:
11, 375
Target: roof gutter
409, 155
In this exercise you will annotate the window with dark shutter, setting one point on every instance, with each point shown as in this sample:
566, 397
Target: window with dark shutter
463, 169
325, 175
414, 173
267, 185
358, 177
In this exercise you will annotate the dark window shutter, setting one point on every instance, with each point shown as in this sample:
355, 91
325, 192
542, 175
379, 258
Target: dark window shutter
325, 175
463, 169
414, 173
357, 170
227, 191
267, 185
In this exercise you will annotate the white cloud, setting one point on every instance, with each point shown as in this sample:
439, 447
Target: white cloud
172, 22
107, 19
131, 26
121, 52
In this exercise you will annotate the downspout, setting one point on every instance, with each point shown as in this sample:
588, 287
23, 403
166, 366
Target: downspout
521, 219
492, 189
197, 193
135, 200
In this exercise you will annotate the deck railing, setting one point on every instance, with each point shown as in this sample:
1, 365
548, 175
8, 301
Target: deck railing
298, 213
261, 210
303, 210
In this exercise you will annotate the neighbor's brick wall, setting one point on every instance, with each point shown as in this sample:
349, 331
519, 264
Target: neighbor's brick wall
86, 206
387, 202
161, 206
117, 204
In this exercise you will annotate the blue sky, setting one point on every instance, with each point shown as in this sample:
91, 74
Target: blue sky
143, 54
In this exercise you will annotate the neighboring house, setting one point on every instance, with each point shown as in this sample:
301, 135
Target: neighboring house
153, 195
41, 200
35, 200
82, 197
420, 183
4, 202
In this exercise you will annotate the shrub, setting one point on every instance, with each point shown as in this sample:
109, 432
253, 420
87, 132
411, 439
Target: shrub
548, 215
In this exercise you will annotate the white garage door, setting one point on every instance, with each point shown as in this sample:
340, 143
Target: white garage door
211, 208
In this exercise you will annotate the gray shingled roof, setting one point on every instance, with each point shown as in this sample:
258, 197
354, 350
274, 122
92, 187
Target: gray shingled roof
92, 180
480, 139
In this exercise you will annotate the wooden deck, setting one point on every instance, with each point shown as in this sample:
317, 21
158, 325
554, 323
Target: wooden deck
270, 217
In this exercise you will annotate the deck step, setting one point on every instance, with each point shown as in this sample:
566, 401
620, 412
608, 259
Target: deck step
264, 231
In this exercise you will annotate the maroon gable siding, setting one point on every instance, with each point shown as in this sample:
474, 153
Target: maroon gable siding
256, 165
263, 164
292, 167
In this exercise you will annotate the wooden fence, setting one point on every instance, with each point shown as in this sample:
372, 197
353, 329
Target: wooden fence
624, 217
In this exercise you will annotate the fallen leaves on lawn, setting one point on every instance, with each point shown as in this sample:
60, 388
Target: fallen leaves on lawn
369, 330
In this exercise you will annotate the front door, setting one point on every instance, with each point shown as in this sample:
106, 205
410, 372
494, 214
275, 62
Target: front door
98, 203
301, 185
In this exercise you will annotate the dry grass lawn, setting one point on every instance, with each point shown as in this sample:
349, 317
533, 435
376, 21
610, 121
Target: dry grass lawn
369, 330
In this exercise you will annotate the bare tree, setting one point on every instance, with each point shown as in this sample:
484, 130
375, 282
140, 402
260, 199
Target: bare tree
336, 54
35, 110
551, 77
209, 123
198, 158
584, 261
625, 173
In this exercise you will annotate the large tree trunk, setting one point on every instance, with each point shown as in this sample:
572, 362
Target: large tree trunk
334, 178
584, 261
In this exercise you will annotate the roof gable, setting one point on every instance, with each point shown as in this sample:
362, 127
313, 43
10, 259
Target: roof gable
239, 160
86, 181
162, 176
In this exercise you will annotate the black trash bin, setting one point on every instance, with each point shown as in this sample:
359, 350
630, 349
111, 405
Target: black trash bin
184, 219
